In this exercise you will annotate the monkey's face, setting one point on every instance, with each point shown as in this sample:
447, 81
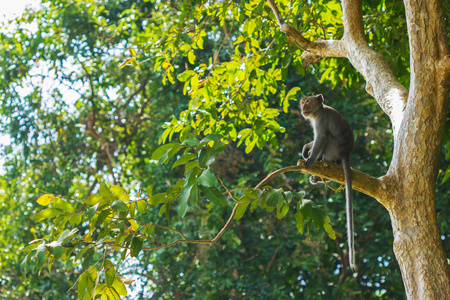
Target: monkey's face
309, 105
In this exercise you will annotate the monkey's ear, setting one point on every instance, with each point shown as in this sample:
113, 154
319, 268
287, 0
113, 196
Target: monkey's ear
320, 98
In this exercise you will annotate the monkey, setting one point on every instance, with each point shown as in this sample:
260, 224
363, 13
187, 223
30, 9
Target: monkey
333, 142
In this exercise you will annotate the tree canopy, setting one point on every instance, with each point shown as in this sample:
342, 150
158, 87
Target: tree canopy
136, 127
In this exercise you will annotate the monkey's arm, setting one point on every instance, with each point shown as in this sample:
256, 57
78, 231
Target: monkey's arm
318, 145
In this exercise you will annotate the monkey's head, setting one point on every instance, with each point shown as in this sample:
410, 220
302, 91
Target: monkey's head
310, 105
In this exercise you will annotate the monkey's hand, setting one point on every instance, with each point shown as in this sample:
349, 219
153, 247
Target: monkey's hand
305, 152
306, 148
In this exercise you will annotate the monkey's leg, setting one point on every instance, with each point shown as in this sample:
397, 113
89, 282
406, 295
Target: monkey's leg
313, 179
319, 144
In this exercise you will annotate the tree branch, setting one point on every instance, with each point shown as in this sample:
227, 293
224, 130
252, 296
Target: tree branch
361, 182
328, 171
313, 51
381, 82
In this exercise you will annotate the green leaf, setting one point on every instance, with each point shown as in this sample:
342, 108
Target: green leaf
252, 194
91, 212
194, 194
185, 76
218, 147
318, 216
190, 165
211, 137
274, 197
65, 234
55, 248
120, 288
299, 195
240, 210
250, 144
300, 221
41, 250
292, 92
328, 228
160, 151
184, 159
110, 275
86, 262
214, 195
62, 204
206, 157
191, 177
169, 154
92, 200
44, 200
184, 197
118, 205
157, 199
104, 191
24, 264
244, 200
447, 175
148, 228
82, 252
282, 209
48, 214
31, 245
75, 219
305, 207
263, 198
104, 214
186, 38
136, 246
107, 263
254, 205
207, 179
287, 196
83, 285
142, 206
191, 142
149, 191
191, 57
119, 193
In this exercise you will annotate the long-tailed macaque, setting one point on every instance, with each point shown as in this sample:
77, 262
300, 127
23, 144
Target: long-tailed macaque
333, 142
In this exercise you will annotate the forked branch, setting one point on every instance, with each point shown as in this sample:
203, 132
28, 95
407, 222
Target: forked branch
381, 81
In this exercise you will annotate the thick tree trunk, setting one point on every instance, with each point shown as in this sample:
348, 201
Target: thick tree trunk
417, 245
414, 166
418, 116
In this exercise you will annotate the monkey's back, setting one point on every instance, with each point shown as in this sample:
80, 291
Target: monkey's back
339, 134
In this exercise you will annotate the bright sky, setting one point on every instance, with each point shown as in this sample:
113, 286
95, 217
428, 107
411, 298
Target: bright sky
13, 8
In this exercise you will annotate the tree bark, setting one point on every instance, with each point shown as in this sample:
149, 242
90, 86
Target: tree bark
417, 150
418, 118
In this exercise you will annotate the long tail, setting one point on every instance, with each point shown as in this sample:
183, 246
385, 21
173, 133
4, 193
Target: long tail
349, 199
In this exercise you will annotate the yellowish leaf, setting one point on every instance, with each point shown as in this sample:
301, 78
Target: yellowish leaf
134, 225
44, 200
126, 62
125, 280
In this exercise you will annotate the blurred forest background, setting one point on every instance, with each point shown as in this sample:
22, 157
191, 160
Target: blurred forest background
81, 108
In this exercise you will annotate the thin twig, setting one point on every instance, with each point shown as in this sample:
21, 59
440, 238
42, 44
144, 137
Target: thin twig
228, 191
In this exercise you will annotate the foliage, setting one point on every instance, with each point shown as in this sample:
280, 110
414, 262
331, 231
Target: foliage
91, 91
